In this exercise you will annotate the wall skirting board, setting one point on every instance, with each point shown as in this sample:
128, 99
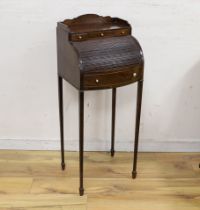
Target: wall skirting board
146, 145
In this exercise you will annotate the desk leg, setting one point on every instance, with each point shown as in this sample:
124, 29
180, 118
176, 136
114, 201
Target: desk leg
81, 139
60, 99
113, 121
137, 126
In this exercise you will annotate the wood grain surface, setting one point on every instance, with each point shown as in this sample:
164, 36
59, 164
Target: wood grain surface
32, 180
93, 44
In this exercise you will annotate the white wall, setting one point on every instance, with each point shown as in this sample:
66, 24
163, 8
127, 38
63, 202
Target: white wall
169, 32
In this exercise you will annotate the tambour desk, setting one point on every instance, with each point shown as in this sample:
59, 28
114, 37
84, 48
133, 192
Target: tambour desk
94, 53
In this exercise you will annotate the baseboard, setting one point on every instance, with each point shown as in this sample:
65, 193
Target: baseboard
145, 145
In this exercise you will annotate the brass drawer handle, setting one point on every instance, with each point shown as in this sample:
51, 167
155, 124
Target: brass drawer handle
102, 34
80, 37
97, 81
123, 32
134, 74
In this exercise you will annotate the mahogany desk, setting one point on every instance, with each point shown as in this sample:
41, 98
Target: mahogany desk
94, 53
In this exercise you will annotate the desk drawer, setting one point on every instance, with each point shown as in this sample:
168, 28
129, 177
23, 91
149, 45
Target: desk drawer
111, 79
78, 37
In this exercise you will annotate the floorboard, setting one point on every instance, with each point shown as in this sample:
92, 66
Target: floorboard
32, 180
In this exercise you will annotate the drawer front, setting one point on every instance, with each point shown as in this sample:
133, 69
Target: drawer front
99, 34
111, 79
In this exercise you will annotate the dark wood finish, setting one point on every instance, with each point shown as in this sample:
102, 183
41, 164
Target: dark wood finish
60, 100
111, 79
81, 139
79, 37
114, 52
137, 126
96, 52
93, 26
68, 63
113, 122
108, 53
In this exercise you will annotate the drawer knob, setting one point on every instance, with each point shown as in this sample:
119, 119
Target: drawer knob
123, 32
97, 81
80, 37
134, 74
102, 34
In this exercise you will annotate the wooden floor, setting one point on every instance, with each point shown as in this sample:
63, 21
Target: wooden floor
33, 180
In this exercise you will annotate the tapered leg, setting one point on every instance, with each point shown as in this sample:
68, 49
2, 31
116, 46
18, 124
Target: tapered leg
81, 139
113, 121
137, 126
60, 99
